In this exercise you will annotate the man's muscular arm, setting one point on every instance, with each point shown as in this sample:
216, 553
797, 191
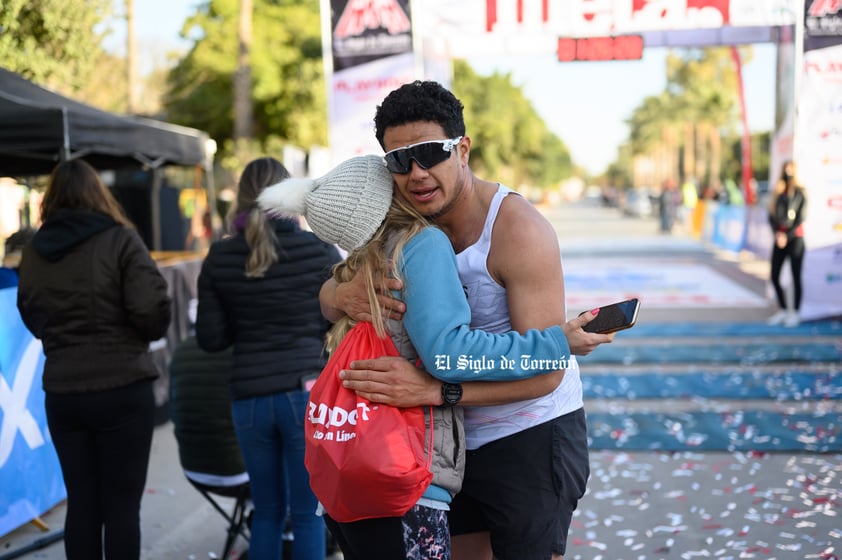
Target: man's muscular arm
351, 299
526, 260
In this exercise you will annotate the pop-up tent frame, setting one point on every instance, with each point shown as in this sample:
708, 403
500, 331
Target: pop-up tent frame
40, 128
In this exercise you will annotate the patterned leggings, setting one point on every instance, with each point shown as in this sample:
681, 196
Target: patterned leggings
421, 534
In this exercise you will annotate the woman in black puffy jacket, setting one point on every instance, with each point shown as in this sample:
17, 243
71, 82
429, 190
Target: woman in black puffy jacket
92, 293
259, 291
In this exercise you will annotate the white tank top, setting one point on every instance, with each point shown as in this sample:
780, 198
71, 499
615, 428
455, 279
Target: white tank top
490, 312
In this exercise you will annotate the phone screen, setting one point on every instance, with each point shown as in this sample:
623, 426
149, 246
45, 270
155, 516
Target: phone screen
614, 317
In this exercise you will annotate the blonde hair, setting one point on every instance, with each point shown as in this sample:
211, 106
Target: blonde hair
374, 261
260, 237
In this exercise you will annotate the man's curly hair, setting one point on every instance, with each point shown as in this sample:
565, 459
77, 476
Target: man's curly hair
420, 101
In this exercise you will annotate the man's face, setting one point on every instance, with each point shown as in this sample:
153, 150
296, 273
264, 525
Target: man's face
432, 191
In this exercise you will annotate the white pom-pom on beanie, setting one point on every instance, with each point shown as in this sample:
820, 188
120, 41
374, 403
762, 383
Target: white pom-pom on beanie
286, 198
345, 206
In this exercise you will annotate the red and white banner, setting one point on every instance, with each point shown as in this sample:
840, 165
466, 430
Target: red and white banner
371, 53
818, 153
473, 27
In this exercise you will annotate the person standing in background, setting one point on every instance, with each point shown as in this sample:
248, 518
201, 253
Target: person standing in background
689, 200
668, 203
92, 293
259, 291
787, 211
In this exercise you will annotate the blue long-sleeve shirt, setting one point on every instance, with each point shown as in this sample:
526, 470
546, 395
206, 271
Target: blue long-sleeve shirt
438, 318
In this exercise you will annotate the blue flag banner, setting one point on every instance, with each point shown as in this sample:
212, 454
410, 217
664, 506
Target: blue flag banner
30, 474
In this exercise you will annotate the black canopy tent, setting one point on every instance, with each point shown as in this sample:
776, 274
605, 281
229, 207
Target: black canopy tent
39, 128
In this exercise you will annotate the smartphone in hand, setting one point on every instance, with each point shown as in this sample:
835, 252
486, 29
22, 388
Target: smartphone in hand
615, 317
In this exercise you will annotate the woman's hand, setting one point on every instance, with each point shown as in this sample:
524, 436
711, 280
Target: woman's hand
582, 343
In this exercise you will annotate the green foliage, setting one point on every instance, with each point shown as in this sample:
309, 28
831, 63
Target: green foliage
733, 156
649, 119
52, 42
509, 140
619, 173
288, 88
704, 83
697, 110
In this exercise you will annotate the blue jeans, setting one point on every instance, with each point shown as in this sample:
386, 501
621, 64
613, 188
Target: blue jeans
270, 429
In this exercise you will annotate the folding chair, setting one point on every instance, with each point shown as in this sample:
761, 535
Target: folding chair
208, 450
239, 518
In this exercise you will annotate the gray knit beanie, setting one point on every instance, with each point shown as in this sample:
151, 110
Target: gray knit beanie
345, 206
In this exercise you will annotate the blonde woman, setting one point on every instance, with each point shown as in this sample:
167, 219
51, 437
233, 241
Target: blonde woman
787, 211
388, 239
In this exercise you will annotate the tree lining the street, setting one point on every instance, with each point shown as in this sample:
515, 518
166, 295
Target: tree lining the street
509, 139
55, 43
681, 131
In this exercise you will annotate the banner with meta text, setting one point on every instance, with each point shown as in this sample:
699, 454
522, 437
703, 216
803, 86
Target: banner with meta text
371, 53
30, 475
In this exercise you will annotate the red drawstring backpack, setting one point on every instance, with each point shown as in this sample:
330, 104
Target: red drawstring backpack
365, 459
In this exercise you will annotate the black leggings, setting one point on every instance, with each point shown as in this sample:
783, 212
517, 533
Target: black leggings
795, 251
103, 439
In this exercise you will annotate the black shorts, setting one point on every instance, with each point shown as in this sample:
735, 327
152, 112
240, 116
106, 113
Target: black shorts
524, 488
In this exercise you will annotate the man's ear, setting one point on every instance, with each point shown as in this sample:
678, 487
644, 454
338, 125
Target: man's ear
464, 148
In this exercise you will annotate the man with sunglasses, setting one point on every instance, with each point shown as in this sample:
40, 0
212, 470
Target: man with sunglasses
527, 460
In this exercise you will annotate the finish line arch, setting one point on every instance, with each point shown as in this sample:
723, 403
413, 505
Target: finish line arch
371, 47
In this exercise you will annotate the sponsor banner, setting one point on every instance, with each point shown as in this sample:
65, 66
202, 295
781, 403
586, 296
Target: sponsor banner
822, 283
371, 49
759, 237
819, 147
822, 24
355, 94
363, 31
30, 475
729, 229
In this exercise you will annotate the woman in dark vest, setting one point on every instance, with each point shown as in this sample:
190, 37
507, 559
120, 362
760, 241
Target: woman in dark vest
259, 291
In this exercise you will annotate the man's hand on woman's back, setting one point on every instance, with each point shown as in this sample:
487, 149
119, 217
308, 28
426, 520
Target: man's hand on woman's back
351, 298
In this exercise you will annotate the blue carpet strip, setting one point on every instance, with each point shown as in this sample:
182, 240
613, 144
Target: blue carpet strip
749, 430
714, 352
785, 385
762, 369
657, 330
